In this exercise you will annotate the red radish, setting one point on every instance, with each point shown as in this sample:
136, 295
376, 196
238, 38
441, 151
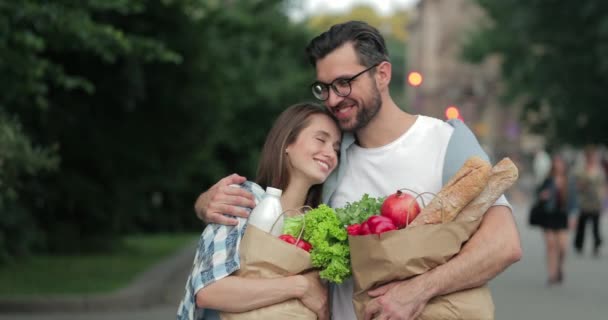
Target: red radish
288, 238
380, 224
401, 208
303, 244
383, 227
354, 229
365, 230
373, 221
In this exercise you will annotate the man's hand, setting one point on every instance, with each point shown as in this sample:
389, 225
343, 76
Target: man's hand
222, 198
399, 300
315, 296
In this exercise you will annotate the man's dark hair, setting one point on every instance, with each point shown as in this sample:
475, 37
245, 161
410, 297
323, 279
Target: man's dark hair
367, 41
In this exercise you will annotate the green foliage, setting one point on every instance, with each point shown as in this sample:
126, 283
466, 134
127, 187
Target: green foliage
19, 161
329, 241
145, 103
554, 59
89, 273
359, 211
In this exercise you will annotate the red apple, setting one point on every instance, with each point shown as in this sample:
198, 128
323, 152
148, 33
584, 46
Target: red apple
401, 208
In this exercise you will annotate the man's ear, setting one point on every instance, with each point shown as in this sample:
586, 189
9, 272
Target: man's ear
383, 74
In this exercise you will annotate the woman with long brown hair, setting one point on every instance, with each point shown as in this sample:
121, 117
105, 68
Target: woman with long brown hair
559, 201
300, 152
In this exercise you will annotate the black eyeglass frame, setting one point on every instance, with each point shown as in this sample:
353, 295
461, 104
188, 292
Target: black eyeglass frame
332, 85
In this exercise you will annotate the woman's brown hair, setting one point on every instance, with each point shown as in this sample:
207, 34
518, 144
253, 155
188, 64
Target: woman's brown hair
272, 166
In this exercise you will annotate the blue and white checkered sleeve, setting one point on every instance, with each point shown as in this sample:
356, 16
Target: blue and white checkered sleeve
217, 256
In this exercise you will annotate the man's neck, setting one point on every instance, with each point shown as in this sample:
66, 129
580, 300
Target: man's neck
389, 124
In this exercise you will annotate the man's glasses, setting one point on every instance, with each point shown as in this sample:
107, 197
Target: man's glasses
340, 86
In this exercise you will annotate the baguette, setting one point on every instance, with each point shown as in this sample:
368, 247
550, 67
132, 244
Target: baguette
463, 187
503, 176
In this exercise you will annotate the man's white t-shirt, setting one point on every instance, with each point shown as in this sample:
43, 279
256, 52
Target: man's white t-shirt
414, 161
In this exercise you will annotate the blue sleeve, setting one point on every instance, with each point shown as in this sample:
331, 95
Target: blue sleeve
462, 145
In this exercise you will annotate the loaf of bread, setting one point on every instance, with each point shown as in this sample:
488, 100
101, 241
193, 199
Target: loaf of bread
462, 188
502, 177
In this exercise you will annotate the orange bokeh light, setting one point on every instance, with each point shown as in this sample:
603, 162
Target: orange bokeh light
452, 112
414, 78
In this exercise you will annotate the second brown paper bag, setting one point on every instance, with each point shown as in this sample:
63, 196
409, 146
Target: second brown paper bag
399, 255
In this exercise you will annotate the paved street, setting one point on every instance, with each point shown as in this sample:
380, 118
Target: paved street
162, 312
519, 293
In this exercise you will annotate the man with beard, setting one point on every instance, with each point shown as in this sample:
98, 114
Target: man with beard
384, 149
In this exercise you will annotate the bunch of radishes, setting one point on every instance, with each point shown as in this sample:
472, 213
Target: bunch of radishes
397, 211
302, 244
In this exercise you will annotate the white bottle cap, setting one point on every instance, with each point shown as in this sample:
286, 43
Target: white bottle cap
274, 191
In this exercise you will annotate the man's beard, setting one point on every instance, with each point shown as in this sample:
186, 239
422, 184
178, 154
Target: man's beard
365, 114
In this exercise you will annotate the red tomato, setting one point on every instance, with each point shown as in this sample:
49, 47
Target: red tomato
354, 229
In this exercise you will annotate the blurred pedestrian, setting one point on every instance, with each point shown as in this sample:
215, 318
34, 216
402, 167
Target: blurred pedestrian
541, 164
558, 194
590, 184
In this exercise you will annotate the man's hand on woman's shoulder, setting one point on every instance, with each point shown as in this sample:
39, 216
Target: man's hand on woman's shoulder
223, 198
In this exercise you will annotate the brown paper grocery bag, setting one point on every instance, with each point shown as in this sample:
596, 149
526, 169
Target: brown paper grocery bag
471, 304
265, 256
402, 254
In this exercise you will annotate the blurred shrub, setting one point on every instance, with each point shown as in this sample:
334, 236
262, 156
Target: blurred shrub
147, 103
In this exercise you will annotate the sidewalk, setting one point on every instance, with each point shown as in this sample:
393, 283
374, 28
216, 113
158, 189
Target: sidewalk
162, 285
521, 291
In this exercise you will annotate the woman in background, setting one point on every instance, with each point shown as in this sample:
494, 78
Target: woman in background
590, 183
558, 195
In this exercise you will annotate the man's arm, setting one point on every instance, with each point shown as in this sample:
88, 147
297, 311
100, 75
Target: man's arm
491, 249
222, 198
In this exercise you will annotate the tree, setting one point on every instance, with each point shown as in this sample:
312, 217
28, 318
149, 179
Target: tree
554, 60
19, 161
32, 35
145, 103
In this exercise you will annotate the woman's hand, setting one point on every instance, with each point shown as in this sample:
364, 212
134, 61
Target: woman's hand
315, 295
222, 198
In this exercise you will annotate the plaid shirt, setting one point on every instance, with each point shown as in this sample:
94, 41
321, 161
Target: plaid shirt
217, 256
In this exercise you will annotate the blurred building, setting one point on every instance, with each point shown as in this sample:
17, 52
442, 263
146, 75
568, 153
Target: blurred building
437, 32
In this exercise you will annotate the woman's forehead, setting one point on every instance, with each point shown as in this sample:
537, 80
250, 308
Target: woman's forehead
322, 122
